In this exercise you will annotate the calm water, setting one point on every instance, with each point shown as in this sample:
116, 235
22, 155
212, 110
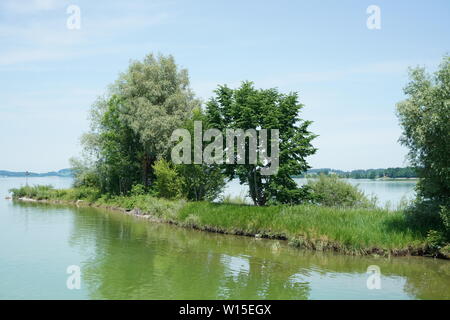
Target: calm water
122, 257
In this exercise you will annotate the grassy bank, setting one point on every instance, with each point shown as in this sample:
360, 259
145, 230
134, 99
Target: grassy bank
351, 231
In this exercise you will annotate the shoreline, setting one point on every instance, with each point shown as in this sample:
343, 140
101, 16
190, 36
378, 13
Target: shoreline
192, 221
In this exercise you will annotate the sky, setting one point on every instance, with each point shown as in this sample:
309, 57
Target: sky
348, 77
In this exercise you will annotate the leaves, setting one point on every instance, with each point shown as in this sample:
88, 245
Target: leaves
249, 108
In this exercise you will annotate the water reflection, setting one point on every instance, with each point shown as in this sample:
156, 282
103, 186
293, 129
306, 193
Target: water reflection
127, 258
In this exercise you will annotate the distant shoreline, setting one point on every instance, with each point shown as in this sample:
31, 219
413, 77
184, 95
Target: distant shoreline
389, 174
65, 173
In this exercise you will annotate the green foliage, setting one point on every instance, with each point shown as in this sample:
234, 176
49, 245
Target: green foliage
200, 181
33, 192
425, 119
168, 183
333, 192
112, 151
119, 154
157, 99
144, 204
137, 190
132, 124
435, 241
249, 108
445, 218
316, 227
49, 193
84, 173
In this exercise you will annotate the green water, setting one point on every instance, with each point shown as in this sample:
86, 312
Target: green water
122, 257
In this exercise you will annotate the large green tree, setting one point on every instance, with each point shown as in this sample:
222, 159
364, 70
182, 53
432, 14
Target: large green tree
156, 99
425, 119
132, 124
249, 108
113, 149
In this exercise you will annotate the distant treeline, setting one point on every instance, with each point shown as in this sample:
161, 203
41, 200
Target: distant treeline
60, 173
408, 172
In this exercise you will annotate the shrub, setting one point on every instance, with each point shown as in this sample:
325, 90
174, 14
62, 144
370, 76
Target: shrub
168, 184
200, 181
82, 193
35, 192
332, 192
137, 190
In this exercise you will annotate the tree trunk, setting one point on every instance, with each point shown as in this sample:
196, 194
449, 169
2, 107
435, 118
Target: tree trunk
255, 188
148, 175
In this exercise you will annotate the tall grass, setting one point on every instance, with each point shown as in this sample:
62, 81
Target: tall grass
307, 225
49, 193
351, 230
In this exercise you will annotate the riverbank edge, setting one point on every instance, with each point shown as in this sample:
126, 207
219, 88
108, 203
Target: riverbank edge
300, 243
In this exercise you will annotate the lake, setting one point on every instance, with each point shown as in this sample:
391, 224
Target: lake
388, 193
123, 257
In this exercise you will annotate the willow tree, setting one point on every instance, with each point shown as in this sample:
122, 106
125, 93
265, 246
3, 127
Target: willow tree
156, 99
131, 125
425, 119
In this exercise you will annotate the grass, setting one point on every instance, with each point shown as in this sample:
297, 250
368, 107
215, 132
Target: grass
347, 230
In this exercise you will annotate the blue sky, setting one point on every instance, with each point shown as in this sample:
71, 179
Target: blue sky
348, 77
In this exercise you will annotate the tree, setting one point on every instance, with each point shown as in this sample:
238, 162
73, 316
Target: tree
425, 119
132, 124
200, 181
156, 99
248, 108
114, 150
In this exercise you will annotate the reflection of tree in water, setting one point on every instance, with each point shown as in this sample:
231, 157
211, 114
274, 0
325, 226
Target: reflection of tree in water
133, 259
429, 279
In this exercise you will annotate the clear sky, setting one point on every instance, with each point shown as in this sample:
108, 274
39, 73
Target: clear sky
348, 77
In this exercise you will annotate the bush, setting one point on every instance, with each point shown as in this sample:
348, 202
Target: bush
435, 241
137, 190
168, 184
332, 192
34, 192
201, 182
